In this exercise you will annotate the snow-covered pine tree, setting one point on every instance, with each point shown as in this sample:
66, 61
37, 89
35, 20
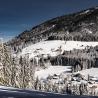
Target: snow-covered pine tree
24, 76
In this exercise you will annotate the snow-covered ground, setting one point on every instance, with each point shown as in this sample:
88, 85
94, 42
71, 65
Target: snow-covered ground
44, 48
70, 45
93, 72
54, 48
51, 70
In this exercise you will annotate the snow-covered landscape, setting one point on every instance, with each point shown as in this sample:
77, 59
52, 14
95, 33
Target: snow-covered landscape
92, 72
58, 56
54, 67
57, 74
54, 48
52, 70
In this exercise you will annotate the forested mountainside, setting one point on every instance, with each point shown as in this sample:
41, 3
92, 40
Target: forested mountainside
81, 26
55, 56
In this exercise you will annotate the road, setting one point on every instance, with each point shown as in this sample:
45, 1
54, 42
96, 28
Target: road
7, 92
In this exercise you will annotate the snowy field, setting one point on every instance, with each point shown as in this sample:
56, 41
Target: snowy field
93, 72
51, 70
54, 48
70, 45
44, 48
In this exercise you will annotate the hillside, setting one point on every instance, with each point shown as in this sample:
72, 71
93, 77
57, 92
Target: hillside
81, 26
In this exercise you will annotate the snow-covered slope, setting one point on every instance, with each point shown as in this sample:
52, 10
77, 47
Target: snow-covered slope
44, 48
54, 48
93, 72
70, 45
51, 70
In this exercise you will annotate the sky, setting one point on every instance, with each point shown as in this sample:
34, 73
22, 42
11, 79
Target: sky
17, 16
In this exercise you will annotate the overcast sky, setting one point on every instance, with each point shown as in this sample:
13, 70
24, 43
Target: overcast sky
19, 15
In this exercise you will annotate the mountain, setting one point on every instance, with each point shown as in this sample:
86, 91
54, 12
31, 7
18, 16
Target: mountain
59, 55
80, 26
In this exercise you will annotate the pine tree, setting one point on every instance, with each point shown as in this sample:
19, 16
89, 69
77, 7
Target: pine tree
36, 84
24, 73
6, 62
13, 73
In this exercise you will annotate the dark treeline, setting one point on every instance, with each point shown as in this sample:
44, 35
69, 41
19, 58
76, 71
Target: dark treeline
78, 37
78, 59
